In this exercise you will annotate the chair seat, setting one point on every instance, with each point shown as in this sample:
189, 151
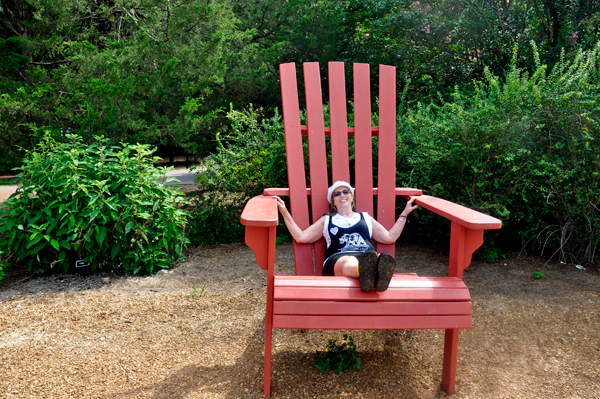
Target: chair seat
338, 303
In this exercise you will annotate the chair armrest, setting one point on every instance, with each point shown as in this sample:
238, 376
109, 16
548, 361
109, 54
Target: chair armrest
464, 216
261, 217
261, 211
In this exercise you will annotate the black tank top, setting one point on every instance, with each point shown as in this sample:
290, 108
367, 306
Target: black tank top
351, 239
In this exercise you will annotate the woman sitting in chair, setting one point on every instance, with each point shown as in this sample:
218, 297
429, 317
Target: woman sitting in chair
350, 251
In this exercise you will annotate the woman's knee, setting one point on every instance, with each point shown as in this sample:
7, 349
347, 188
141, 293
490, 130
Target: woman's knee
346, 266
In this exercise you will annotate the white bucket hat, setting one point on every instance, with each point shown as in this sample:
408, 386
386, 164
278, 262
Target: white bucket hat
336, 185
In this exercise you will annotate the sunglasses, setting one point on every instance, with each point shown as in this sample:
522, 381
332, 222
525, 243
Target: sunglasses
338, 193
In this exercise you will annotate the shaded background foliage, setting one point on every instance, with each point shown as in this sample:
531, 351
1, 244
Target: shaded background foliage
485, 118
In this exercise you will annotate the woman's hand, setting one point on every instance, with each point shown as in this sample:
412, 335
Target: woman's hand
281, 205
410, 206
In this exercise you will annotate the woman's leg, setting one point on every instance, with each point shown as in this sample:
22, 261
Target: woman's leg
346, 266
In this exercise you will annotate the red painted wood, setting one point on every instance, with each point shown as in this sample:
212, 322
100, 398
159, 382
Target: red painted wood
402, 281
317, 153
386, 201
257, 238
374, 131
371, 322
340, 166
401, 191
363, 152
269, 312
463, 243
449, 362
325, 308
260, 211
346, 294
295, 162
458, 213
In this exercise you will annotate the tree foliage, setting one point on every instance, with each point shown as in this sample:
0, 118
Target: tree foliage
142, 71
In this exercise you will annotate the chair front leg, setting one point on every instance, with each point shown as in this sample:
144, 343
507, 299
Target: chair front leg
450, 360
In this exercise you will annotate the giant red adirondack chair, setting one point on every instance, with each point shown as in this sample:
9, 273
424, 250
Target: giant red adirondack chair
309, 300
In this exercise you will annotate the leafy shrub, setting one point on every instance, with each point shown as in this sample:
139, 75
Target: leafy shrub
95, 203
249, 158
525, 150
340, 357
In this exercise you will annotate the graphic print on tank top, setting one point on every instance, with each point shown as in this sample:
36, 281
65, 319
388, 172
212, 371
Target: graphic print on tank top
353, 242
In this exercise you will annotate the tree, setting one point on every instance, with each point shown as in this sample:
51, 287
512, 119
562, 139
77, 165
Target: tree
143, 71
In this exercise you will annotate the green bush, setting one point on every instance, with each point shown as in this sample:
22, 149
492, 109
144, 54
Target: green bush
249, 158
99, 204
526, 150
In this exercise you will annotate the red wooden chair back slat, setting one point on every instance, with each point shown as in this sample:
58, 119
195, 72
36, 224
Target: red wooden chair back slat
340, 167
317, 155
295, 162
363, 153
386, 200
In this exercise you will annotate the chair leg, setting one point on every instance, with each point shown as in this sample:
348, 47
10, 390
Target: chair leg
449, 363
267, 375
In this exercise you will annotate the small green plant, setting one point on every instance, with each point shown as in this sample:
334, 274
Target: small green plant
489, 253
195, 291
538, 275
339, 357
280, 239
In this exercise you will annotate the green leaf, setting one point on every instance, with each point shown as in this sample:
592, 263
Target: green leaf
34, 241
115, 250
101, 234
55, 244
94, 214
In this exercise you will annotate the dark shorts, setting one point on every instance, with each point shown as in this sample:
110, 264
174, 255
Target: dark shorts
330, 262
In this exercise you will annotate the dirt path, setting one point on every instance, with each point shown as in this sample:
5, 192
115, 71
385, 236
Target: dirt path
198, 332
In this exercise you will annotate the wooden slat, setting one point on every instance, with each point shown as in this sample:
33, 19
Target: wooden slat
349, 282
345, 294
324, 308
386, 201
316, 153
350, 130
363, 158
402, 191
295, 163
371, 322
340, 165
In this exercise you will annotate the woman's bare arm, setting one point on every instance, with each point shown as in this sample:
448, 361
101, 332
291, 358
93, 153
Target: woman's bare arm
313, 233
380, 233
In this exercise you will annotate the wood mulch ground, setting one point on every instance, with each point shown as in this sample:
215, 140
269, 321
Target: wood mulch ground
198, 332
